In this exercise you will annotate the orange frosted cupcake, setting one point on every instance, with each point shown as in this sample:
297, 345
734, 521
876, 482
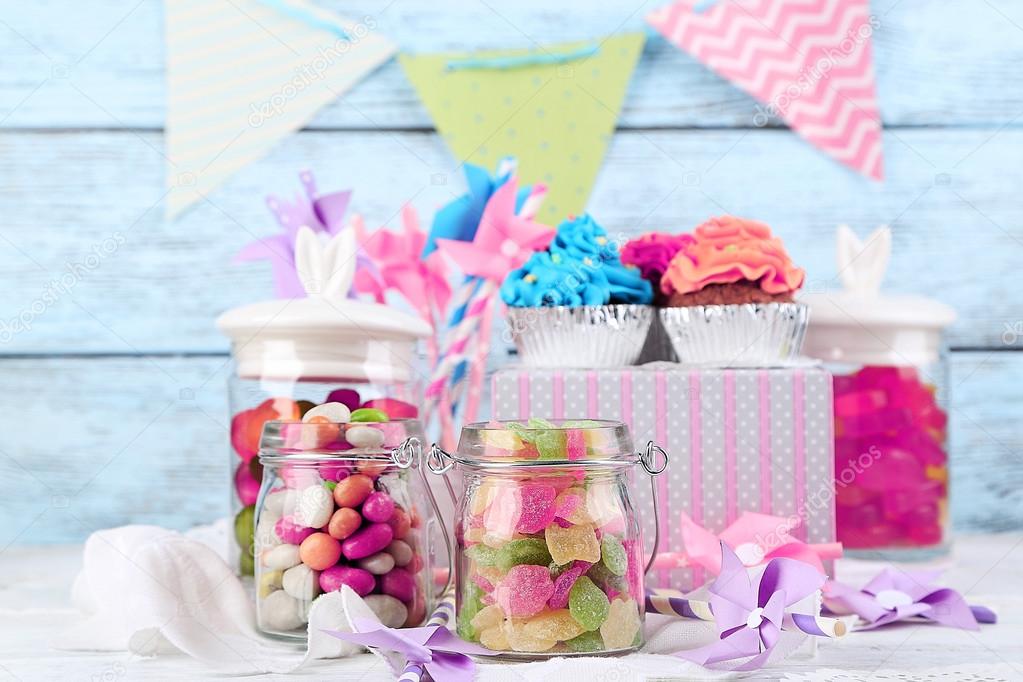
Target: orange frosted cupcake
730, 297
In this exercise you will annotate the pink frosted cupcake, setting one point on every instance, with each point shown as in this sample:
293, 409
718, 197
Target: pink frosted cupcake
652, 253
730, 297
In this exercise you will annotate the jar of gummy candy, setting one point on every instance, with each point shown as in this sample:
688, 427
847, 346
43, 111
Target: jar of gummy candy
548, 555
292, 355
887, 356
342, 504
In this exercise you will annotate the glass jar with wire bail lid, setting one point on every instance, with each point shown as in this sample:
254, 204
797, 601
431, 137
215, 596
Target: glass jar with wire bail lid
342, 504
549, 559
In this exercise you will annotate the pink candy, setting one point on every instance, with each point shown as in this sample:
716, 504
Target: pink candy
359, 580
563, 584
575, 444
291, 532
378, 507
524, 591
399, 583
368, 540
245, 485
536, 509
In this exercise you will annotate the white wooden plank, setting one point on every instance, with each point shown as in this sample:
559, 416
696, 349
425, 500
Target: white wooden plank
100, 64
952, 197
108, 441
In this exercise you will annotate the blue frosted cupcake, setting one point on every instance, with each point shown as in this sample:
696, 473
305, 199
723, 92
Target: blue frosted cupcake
576, 304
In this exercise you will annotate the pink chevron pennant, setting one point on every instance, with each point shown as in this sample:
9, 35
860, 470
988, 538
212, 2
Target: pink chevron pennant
808, 62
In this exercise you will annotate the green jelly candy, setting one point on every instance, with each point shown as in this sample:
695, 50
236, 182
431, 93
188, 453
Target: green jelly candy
482, 555
525, 551
244, 526
549, 440
586, 642
602, 576
369, 414
613, 556
472, 603
588, 604
246, 563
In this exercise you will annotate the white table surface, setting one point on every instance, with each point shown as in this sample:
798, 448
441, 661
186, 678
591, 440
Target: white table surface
987, 569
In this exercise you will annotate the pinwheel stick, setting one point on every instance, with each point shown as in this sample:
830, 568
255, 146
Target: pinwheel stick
441, 615
673, 603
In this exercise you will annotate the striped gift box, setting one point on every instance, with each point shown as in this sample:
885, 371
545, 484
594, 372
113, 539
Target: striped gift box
738, 440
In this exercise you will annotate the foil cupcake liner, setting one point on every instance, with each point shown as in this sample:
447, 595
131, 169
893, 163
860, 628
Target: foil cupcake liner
742, 335
587, 336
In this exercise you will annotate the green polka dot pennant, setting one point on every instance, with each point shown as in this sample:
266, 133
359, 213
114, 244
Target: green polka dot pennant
553, 108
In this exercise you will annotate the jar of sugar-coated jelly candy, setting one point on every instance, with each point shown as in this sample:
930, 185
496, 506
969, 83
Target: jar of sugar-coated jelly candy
290, 356
549, 560
891, 419
342, 504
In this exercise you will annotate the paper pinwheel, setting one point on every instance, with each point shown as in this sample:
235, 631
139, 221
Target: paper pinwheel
503, 240
749, 612
320, 213
895, 595
398, 266
443, 655
755, 538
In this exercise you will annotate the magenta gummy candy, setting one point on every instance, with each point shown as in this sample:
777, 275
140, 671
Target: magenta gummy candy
245, 485
524, 590
895, 469
378, 507
346, 396
359, 580
290, 532
333, 472
483, 583
563, 584
859, 402
536, 510
575, 444
398, 583
873, 423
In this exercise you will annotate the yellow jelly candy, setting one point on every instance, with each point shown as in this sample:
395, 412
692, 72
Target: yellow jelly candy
575, 542
603, 504
495, 639
270, 581
492, 574
488, 617
570, 505
557, 624
519, 639
622, 624
474, 535
482, 498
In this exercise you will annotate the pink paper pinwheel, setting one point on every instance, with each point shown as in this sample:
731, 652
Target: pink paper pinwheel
443, 655
503, 240
895, 595
398, 266
749, 612
755, 538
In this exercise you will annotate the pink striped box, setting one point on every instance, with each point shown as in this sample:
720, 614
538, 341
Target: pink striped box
738, 440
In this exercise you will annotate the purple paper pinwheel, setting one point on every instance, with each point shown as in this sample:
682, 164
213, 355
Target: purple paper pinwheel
895, 595
749, 613
440, 653
322, 213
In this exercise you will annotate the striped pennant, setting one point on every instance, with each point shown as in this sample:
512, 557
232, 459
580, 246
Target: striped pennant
808, 62
243, 74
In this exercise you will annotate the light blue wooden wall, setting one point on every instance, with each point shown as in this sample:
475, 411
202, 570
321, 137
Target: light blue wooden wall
113, 403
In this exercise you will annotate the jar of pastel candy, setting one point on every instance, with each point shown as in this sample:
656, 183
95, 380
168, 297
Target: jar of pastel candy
342, 503
290, 356
891, 422
549, 559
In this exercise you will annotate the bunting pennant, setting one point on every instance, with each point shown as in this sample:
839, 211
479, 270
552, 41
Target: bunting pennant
243, 74
808, 62
553, 108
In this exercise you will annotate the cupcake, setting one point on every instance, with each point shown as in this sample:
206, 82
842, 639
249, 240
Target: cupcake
729, 297
652, 253
577, 304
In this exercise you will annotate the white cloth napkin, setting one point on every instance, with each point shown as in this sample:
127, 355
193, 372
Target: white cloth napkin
153, 591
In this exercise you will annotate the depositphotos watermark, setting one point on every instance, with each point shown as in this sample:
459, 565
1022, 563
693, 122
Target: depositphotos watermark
58, 287
309, 73
809, 76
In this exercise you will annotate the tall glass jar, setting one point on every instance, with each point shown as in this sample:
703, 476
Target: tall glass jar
291, 355
330, 513
891, 420
549, 558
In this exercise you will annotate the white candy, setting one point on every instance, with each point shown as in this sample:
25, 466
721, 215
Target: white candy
391, 612
301, 582
281, 557
280, 502
266, 536
335, 412
315, 506
401, 552
280, 611
378, 564
269, 581
364, 437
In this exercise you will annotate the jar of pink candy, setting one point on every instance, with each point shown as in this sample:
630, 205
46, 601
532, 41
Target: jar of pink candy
342, 503
292, 356
886, 353
549, 560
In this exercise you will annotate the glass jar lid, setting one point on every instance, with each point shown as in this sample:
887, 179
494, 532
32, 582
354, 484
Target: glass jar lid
397, 441
544, 443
